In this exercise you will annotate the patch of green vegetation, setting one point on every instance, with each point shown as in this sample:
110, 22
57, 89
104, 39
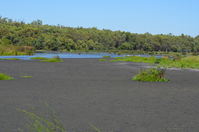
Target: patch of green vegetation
43, 59
102, 59
135, 59
173, 62
151, 75
26, 76
61, 38
184, 62
9, 59
5, 77
106, 56
54, 59
38, 58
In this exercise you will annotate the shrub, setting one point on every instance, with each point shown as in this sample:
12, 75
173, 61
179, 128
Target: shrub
151, 75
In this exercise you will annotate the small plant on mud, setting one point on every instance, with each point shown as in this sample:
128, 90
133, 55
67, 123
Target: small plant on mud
151, 75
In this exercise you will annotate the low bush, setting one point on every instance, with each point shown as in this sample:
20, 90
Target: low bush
151, 75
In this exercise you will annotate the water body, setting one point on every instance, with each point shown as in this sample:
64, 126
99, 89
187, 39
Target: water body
69, 55
63, 55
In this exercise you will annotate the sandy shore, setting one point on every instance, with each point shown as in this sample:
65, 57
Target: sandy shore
86, 91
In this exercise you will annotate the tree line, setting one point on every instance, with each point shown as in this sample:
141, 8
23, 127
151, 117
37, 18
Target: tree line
49, 37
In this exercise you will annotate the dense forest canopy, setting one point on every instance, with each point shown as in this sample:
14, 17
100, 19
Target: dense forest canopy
66, 38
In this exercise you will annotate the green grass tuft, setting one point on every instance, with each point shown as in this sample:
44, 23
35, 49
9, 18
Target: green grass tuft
106, 56
151, 75
26, 76
102, 59
5, 77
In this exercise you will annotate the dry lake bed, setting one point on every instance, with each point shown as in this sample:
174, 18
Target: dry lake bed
87, 91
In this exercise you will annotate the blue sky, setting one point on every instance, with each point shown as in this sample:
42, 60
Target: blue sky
137, 16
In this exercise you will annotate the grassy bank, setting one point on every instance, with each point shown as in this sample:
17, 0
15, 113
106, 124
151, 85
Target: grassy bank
8, 50
9, 59
174, 62
184, 62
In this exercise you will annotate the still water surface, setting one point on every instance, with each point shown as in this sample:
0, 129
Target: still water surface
68, 55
